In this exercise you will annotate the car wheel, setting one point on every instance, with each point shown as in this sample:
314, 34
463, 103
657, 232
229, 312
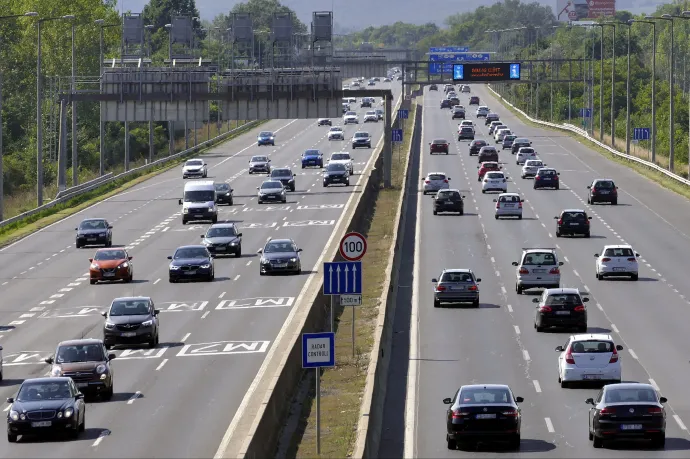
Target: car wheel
11, 438
130, 278
557, 187
659, 441
614, 202
634, 277
518, 289
184, 222
582, 329
171, 280
92, 281
452, 444
347, 183
587, 235
152, 343
591, 435
588, 201
475, 303
437, 303
483, 191
564, 384
597, 276
435, 212
231, 202
107, 395
462, 212
77, 245
558, 234
515, 442
214, 220
539, 329
496, 217
597, 442
292, 188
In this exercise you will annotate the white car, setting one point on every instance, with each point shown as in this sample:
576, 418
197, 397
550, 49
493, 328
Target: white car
508, 205
194, 168
344, 158
524, 154
435, 181
591, 357
336, 133
498, 136
482, 111
351, 117
495, 181
371, 116
465, 123
617, 260
531, 167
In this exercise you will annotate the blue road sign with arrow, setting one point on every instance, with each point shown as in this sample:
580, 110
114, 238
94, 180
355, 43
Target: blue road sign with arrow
342, 278
641, 134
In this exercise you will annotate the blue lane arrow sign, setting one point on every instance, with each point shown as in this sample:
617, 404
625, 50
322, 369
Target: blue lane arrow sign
342, 278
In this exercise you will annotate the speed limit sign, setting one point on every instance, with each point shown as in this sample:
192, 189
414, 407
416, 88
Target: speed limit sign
353, 246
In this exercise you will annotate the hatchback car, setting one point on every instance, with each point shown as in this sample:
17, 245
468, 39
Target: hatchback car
531, 167
508, 205
435, 181
572, 222
379, 113
466, 132
280, 255
131, 321
486, 167
458, 112
602, 190
191, 262
476, 145
537, 268
336, 173
324, 122
496, 124
94, 231
465, 88
616, 261
626, 412
482, 111
194, 168
488, 153
366, 102
474, 100
361, 139
490, 118
445, 103
586, 358
267, 138
285, 176
438, 146
524, 154
371, 117
223, 239
483, 412
223, 193
312, 158
495, 181
87, 363
271, 191
432, 87
500, 134
456, 286
259, 163
561, 307
546, 177
111, 265
449, 201
508, 142
336, 133
520, 142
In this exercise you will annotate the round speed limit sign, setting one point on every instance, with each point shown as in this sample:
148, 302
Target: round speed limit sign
353, 246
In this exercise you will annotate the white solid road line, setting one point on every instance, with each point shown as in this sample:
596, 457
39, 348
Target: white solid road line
525, 355
156, 281
679, 422
517, 329
158, 368
549, 425
537, 387
205, 314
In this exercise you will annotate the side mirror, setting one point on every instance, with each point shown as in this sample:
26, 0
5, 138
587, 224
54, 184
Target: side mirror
90, 260
588, 187
555, 218
104, 313
479, 279
205, 164
130, 258
110, 226
169, 257
535, 300
585, 300
637, 255
231, 190
589, 218
111, 356
448, 178
260, 251
596, 255
429, 143
179, 202
558, 173
257, 187
446, 401
560, 263
495, 200
522, 200
294, 175
156, 312
661, 400
299, 250
202, 236
519, 399
477, 167
619, 347
79, 396
49, 360
434, 280
463, 197
239, 234
559, 348
590, 401
530, 143
515, 263
10, 400
616, 187
76, 229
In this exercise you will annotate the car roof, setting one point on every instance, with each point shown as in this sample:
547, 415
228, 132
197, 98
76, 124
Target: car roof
132, 298
633, 385
436, 173
103, 249
282, 241
538, 250
222, 225
524, 149
259, 156
96, 219
562, 291
280, 169
47, 380
449, 189
74, 342
590, 336
509, 194
195, 159
271, 181
603, 180
618, 246
485, 386
546, 169
191, 246
573, 210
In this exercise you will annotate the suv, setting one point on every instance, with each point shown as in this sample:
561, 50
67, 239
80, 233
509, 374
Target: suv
458, 112
445, 103
456, 286
466, 132
538, 268
572, 222
519, 143
361, 139
223, 193
223, 239
546, 177
474, 100
465, 88
131, 321
491, 117
438, 146
284, 176
433, 87
561, 307
602, 190
87, 363
366, 102
449, 201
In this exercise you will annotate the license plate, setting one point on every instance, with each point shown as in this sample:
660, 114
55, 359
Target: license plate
562, 313
82, 385
108, 274
91, 239
198, 216
449, 202
619, 269
631, 427
574, 224
42, 424
604, 192
189, 273
129, 334
458, 288
538, 271
221, 249
280, 265
546, 179
486, 416
508, 206
591, 376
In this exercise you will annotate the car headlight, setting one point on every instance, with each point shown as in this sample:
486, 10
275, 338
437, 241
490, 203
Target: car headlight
94, 266
210, 208
147, 323
206, 266
174, 267
185, 210
14, 415
124, 265
100, 369
56, 372
69, 412
227, 194
233, 243
109, 325
293, 259
206, 242
264, 260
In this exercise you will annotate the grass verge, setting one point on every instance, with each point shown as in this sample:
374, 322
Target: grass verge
342, 386
647, 172
20, 229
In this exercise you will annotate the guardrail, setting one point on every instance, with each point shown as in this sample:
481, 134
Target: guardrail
585, 134
85, 187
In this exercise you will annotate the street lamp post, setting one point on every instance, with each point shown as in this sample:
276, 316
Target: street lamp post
627, 85
613, 88
39, 108
686, 15
653, 133
73, 86
171, 124
101, 135
148, 28
671, 147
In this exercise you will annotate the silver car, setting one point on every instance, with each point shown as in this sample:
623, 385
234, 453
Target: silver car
538, 268
496, 125
435, 181
271, 190
508, 205
531, 167
194, 168
260, 164
456, 286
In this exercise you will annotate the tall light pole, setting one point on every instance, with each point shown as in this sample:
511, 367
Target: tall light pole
149, 28
601, 80
171, 124
101, 134
2, 182
653, 133
613, 86
627, 85
73, 86
39, 108
671, 147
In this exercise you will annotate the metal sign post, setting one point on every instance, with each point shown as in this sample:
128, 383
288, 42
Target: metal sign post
318, 351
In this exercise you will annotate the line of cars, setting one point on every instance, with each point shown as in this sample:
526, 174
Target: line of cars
490, 412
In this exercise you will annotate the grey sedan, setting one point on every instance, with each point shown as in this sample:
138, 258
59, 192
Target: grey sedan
456, 286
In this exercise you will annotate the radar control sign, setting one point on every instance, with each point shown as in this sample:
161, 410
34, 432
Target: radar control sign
500, 71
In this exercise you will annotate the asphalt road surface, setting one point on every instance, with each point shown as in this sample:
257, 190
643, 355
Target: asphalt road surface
178, 399
448, 347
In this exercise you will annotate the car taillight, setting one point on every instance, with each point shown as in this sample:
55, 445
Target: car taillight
605, 259
510, 413
586, 221
560, 221
426, 181
594, 191
555, 271
524, 271
457, 414
632, 259
579, 308
614, 191
445, 181
569, 358
536, 177
545, 309
472, 288
606, 411
655, 410
440, 288
498, 205
520, 205
614, 356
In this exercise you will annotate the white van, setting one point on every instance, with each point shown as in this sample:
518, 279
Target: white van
199, 202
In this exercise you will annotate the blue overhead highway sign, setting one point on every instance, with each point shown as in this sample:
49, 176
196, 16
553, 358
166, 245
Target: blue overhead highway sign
449, 49
342, 278
396, 135
403, 114
448, 59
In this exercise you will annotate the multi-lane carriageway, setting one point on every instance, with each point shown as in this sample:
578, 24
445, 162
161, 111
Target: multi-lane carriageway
447, 347
214, 336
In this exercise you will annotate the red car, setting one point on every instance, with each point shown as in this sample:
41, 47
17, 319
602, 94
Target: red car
438, 146
111, 264
474, 100
486, 167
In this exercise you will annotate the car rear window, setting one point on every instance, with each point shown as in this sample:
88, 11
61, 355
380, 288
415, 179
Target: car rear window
437, 177
573, 216
457, 277
488, 150
604, 185
479, 143
563, 298
539, 258
449, 195
619, 253
633, 395
543, 172
481, 396
509, 199
467, 129
592, 347
495, 175
508, 138
440, 142
533, 163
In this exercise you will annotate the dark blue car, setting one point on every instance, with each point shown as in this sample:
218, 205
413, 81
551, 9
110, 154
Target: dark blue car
266, 138
312, 158
191, 262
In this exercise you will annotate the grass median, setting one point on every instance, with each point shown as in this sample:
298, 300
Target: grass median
342, 386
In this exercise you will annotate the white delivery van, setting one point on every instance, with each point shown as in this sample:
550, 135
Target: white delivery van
199, 202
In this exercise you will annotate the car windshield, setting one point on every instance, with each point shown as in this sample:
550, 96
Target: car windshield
271, 185
259, 159
592, 346
110, 255
371, 113
563, 299
545, 172
130, 308
573, 216
604, 185
494, 175
631, 395
539, 258
526, 151
194, 162
439, 142
449, 195
509, 199
479, 143
92, 352
199, 195
312, 153
481, 396
221, 231
336, 167
533, 163
437, 177
222, 187
92, 224
509, 138
279, 247
456, 277
361, 134
281, 173
521, 141
351, 114
44, 391
336, 129
340, 156
190, 252
624, 252
266, 134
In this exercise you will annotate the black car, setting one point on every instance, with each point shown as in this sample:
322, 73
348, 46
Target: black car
572, 222
223, 239
324, 122
45, 406
223, 193
474, 100
477, 145
445, 103
191, 262
602, 190
519, 143
561, 307
361, 139
87, 363
466, 133
483, 413
433, 87
546, 178
284, 176
458, 113
94, 231
131, 321
627, 411
365, 102
449, 201
336, 173
454, 101
491, 117
280, 255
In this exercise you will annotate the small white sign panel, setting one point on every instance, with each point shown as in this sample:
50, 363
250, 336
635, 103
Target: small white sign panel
318, 350
350, 300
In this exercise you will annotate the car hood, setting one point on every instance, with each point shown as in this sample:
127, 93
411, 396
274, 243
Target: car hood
361, 139
87, 367
279, 255
189, 261
106, 264
222, 240
58, 405
134, 319
311, 157
91, 231
335, 173
258, 163
270, 191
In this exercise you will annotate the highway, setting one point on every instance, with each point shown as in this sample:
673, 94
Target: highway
176, 400
448, 347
